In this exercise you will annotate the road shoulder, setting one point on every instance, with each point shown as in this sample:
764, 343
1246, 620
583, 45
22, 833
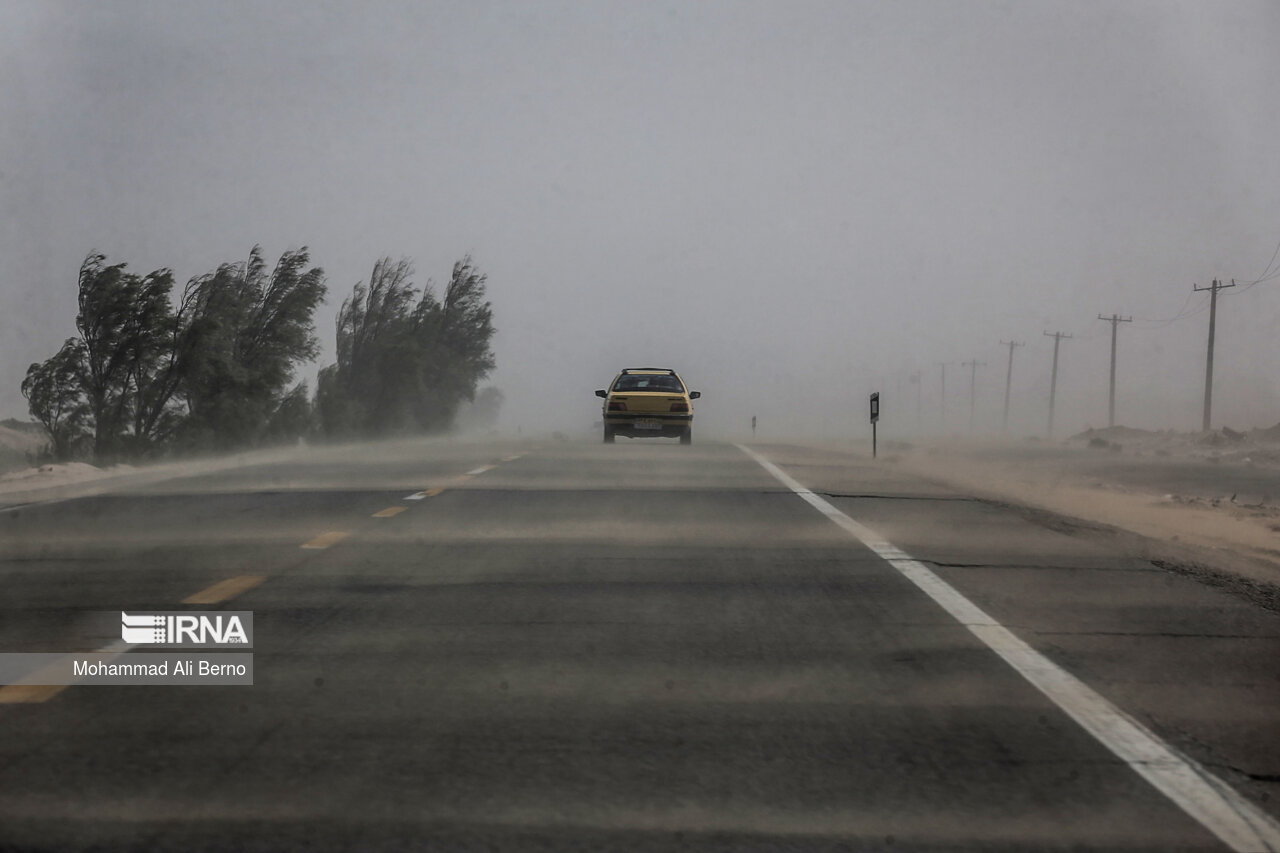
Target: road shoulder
1232, 547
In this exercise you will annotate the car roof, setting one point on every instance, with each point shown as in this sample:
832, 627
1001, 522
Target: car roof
660, 370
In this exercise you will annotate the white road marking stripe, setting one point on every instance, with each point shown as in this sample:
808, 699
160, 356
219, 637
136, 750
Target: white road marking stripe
416, 496
480, 470
1238, 823
20, 507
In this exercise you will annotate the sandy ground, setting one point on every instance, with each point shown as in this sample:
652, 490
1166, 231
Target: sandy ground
52, 476
78, 479
67, 480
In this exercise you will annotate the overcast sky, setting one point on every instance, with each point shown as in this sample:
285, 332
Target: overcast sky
791, 203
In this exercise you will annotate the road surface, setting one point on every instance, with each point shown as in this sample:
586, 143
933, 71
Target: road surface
642, 646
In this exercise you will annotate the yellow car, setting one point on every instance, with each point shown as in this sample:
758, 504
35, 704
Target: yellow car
645, 402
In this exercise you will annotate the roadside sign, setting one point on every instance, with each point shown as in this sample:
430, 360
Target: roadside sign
875, 416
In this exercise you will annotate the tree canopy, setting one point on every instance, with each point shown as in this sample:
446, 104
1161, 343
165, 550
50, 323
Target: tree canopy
245, 330
212, 371
217, 368
406, 359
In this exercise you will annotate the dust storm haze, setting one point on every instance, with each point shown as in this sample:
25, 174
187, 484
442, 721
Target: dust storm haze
792, 204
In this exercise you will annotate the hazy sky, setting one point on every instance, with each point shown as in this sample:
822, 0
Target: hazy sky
791, 203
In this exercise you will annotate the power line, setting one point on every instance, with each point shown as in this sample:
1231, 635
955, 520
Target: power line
1183, 313
1267, 274
1246, 286
1274, 255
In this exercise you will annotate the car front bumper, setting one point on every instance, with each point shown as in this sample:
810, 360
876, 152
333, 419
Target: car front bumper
635, 424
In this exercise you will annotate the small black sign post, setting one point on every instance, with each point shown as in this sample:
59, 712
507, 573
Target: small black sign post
875, 416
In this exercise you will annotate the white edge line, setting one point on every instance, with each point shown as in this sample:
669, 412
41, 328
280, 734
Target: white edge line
416, 496
474, 471
1217, 806
34, 504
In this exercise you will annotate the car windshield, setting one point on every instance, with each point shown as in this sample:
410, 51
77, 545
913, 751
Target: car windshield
665, 383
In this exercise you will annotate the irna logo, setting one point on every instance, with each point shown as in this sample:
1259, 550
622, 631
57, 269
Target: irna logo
183, 629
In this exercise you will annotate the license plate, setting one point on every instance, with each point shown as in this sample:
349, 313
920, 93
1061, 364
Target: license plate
648, 423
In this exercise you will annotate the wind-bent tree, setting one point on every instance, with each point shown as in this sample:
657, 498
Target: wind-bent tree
375, 352
245, 332
215, 372
403, 366
56, 399
125, 323
455, 354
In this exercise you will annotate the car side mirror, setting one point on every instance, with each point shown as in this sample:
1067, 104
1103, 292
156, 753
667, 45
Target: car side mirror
693, 395
602, 393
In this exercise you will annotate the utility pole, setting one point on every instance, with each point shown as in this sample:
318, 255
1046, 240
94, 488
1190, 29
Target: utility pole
973, 378
915, 377
1008, 378
1053, 382
1208, 362
1114, 319
943, 365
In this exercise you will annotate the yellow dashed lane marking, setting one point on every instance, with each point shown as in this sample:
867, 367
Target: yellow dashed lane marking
21, 694
459, 479
229, 588
324, 540
29, 690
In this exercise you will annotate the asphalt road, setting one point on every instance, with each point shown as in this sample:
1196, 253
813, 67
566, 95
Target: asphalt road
631, 647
